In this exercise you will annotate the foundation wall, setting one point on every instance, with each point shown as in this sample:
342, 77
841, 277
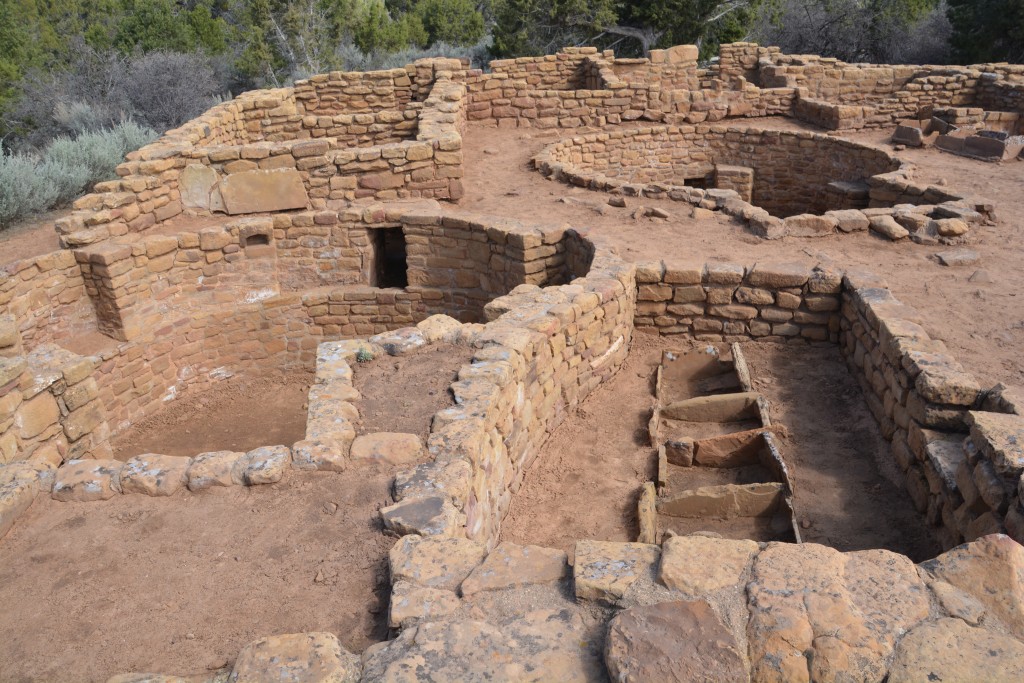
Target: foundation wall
923, 401
46, 296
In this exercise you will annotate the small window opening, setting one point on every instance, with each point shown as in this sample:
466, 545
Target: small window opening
389, 253
701, 182
258, 245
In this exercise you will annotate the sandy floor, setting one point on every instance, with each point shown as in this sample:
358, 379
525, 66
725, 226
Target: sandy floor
402, 393
237, 414
982, 323
179, 584
586, 481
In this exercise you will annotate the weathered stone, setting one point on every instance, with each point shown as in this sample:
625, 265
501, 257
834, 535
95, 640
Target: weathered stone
991, 570
818, 614
196, 184
439, 328
147, 678
84, 480
672, 641
950, 386
212, 469
605, 571
950, 650
698, 565
315, 455
512, 566
430, 478
394, 448
887, 227
296, 658
850, 220
411, 603
264, 465
263, 191
436, 562
809, 225
16, 494
779, 275
400, 341
545, 645
36, 415
724, 501
154, 475
427, 516
1001, 438
958, 257
951, 227
957, 603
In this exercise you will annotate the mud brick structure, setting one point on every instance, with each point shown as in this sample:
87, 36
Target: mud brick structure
318, 226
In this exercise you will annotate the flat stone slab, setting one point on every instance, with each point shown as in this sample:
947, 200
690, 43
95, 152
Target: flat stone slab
263, 191
818, 614
394, 448
86, 480
1001, 438
318, 456
991, 570
673, 641
432, 478
215, 468
950, 650
958, 257
154, 475
296, 658
604, 570
438, 562
544, 645
426, 516
697, 564
439, 327
400, 341
411, 603
16, 495
512, 566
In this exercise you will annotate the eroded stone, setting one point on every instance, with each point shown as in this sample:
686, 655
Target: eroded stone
437, 562
512, 566
85, 480
698, 565
605, 571
154, 475
296, 658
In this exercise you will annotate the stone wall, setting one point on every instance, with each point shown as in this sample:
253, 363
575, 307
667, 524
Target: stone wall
728, 302
926, 404
791, 171
46, 296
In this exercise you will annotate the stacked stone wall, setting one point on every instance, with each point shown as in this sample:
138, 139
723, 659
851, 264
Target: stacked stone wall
46, 296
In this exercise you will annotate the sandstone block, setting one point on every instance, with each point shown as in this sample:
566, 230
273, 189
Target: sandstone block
698, 565
154, 475
427, 516
411, 603
263, 191
450, 478
296, 658
36, 415
314, 455
887, 227
264, 465
84, 420
196, 184
673, 641
16, 495
212, 469
437, 562
512, 566
439, 328
950, 650
86, 480
809, 225
394, 448
605, 571
850, 220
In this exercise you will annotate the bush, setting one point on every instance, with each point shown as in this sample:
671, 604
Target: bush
165, 89
31, 183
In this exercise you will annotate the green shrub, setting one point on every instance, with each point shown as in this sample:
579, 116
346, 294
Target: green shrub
65, 170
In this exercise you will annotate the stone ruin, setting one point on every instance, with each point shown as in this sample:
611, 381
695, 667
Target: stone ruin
303, 189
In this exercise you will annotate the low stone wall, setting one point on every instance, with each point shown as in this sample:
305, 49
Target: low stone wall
728, 302
46, 296
926, 403
792, 171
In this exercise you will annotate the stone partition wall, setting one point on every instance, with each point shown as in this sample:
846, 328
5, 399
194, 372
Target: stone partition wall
46, 296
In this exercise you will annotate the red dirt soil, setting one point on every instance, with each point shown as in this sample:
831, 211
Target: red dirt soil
180, 584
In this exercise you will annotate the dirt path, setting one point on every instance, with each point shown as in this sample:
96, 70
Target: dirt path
181, 584
847, 487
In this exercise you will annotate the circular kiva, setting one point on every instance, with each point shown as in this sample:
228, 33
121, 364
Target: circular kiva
778, 182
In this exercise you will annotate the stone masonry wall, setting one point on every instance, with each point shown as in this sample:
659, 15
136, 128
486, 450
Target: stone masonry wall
728, 302
46, 296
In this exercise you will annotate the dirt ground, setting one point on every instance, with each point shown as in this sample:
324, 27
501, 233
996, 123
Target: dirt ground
981, 322
237, 414
843, 474
586, 481
848, 491
402, 393
181, 584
